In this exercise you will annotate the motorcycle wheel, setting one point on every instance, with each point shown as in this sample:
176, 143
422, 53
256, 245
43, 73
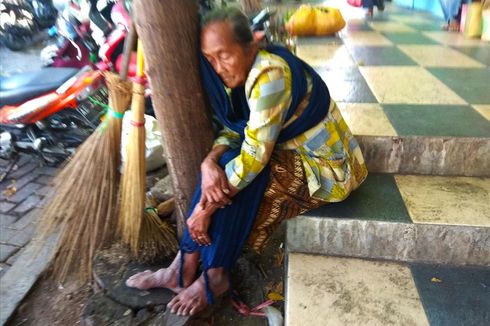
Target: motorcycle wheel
16, 43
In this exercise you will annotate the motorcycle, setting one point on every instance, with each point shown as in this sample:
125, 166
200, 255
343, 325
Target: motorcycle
21, 22
50, 112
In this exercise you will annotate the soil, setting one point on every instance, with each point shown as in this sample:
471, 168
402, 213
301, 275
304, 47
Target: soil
52, 304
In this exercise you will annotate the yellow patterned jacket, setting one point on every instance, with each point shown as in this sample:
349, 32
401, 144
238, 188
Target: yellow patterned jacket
331, 156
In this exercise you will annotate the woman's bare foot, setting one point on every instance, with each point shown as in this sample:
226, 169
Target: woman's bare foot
167, 277
193, 299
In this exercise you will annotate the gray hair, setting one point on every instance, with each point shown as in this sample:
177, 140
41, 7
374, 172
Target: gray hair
240, 25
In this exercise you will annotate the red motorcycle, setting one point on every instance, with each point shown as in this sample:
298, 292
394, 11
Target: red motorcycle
49, 112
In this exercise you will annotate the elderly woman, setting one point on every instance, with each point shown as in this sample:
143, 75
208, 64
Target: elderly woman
284, 149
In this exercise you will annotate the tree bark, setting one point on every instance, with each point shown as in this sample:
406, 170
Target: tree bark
169, 31
251, 6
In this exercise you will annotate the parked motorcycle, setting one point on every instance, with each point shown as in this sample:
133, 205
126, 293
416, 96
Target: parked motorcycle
49, 112
21, 22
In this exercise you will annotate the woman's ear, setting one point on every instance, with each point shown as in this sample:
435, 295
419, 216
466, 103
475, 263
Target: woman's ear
259, 36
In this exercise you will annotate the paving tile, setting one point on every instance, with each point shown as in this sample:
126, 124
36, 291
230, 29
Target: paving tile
446, 200
414, 85
391, 26
29, 203
24, 180
380, 56
3, 269
438, 56
23, 193
454, 39
14, 257
6, 234
46, 170
481, 54
363, 38
461, 298
366, 119
26, 220
6, 220
45, 180
325, 290
376, 199
347, 85
325, 55
436, 120
20, 172
472, 84
408, 38
484, 110
6, 207
6, 251
23, 236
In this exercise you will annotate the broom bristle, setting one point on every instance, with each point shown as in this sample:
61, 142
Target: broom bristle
143, 231
83, 205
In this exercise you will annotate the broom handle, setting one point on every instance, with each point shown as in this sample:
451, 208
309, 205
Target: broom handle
128, 49
138, 107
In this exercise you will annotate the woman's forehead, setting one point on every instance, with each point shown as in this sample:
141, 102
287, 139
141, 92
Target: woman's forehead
216, 36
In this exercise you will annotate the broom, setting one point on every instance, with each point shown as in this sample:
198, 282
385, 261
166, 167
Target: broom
140, 227
83, 208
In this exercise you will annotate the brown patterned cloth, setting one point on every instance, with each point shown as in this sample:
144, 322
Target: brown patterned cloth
286, 196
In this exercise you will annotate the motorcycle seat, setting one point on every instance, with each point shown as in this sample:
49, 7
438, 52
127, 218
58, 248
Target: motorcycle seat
25, 86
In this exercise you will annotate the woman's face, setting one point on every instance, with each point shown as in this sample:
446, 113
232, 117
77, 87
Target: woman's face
230, 60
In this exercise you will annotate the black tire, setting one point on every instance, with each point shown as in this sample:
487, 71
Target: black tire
16, 43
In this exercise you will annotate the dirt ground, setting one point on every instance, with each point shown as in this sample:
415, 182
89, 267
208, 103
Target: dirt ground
52, 304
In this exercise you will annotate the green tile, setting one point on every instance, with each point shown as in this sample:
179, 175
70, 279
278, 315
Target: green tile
437, 120
461, 298
376, 199
481, 54
408, 38
426, 27
380, 56
472, 84
347, 85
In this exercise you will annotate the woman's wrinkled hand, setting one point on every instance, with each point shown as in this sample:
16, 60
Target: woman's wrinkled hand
198, 224
214, 184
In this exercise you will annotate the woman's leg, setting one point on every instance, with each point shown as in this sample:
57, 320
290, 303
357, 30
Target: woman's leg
168, 277
194, 298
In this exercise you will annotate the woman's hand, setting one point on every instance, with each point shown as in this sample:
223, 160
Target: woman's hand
214, 184
198, 224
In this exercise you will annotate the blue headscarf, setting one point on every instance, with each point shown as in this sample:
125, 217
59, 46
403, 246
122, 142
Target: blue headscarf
234, 114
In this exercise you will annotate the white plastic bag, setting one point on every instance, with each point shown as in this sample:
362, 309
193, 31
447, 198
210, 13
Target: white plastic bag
154, 148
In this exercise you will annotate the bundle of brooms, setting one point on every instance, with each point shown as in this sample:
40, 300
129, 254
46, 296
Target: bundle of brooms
83, 208
140, 227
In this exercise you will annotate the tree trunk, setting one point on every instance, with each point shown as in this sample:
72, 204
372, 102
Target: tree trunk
169, 31
251, 6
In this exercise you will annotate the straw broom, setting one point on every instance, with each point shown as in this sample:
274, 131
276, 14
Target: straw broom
141, 229
83, 208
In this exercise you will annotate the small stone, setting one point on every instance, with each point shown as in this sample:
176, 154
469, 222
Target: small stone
127, 313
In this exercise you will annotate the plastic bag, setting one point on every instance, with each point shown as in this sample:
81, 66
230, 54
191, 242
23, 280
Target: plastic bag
154, 149
308, 21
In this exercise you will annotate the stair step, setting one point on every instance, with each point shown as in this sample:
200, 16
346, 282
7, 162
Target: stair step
431, 219
326, 290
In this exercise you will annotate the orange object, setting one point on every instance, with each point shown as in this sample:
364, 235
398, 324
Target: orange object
65, 97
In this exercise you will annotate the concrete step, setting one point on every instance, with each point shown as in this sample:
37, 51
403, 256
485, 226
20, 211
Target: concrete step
407, 218
326, 290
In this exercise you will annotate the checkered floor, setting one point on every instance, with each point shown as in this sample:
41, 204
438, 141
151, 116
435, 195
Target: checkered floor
416, 199
325, 290
399, 74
